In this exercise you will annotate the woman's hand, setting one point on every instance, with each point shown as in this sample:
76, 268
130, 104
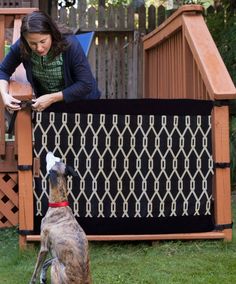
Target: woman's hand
44, 101
10, 103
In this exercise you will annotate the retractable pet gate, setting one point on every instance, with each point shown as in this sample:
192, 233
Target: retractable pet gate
144, 166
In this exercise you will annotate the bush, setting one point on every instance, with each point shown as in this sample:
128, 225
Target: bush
222, 25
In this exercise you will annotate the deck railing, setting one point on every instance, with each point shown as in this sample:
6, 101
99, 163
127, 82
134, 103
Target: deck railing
181, 61
21, 146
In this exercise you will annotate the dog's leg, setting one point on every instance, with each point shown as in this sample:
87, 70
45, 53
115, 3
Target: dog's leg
40, 260
43, 275
41, 256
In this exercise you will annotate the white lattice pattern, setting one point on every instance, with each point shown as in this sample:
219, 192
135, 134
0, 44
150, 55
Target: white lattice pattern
130, 165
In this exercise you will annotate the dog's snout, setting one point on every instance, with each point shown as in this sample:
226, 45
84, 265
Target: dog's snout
51, 161
70, 171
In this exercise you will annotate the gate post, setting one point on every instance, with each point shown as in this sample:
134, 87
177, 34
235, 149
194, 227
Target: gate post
23, 130
221, 157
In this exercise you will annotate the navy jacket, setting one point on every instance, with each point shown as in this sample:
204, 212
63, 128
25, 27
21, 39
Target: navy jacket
79, 80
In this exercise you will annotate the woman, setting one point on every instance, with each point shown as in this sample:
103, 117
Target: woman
55, 65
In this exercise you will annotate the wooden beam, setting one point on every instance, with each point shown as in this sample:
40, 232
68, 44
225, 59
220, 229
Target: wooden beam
163, 34
25, 157
9, 163
173, 23
21, 91
154, 237
25, 160
221, 155
210, 64
17, 11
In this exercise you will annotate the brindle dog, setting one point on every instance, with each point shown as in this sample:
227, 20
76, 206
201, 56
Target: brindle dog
61, 235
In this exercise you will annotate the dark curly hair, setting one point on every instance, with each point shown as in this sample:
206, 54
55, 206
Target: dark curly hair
40, 22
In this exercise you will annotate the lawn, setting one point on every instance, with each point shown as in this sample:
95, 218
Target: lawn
166, 262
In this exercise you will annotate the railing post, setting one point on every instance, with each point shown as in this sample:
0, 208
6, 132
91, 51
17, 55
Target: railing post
221, 155
25, 160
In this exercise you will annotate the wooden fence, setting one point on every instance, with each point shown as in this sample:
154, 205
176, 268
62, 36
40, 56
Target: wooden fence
116, 54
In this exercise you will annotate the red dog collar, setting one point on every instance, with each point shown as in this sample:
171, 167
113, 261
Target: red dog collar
59, 204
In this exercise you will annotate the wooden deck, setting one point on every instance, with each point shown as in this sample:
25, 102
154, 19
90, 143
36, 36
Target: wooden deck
180, 61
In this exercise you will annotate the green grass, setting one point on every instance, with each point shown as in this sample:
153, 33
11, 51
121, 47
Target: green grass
166, 262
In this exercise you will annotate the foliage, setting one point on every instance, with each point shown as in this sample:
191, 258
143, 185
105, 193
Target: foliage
136, 3
66, 3
205, 3
112, 2
222, 26
233, 150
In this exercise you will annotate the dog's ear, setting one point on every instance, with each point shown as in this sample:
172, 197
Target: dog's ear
70, 171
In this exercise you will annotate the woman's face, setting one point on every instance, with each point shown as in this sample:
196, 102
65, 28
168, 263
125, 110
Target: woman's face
39, 43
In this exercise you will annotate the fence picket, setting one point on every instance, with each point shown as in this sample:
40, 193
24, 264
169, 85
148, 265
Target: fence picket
111, 84
151, 18
111, 63
111, 17
63, 15
82, 6
91, 20
142, 19
139, 78
72, 21
161, 15
130, 17
121, 67
121, 21
101, 17
130, 58
102, 64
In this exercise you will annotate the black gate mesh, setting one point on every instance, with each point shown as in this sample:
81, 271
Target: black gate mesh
144, 166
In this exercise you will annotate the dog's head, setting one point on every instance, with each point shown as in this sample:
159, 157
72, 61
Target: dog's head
54, 164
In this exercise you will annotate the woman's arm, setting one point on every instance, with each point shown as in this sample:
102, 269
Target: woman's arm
7, 68
10, 62
42, 102
8, 101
